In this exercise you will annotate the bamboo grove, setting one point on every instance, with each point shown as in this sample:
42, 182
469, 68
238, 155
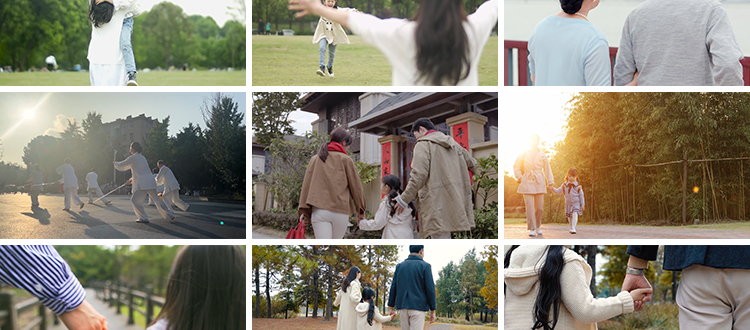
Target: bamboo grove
301, 281
656, 156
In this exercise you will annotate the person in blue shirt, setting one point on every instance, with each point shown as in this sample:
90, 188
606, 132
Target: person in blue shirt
41, 271
713, 290
413, 290
565, 49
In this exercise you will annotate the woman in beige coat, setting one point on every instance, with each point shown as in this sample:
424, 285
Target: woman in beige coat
347, 299
332, 190
556, 280
534, 174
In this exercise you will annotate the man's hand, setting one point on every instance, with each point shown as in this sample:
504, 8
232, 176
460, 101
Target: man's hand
85, 317
633, 282
399, 208
433, 317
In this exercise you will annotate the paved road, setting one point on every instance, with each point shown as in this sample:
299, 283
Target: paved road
429, 326
117, 221
627, 232
116, 322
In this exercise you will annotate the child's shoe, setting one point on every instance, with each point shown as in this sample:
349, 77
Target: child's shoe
330, 72
321, 71
131, 79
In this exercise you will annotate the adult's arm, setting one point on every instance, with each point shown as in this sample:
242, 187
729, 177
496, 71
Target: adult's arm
518, 166
315, 7
597, 66
392, 293
41, 271
355, 185
337, 301
125, 164
725, 52
355, 292
420, 171
430, 288
304, 209
485, 18
645, 252
625, 66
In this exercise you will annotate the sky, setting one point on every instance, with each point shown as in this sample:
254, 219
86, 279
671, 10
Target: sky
528, 113
52, 110
217, 9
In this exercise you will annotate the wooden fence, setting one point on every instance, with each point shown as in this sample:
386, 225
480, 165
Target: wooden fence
10, 311
117, 296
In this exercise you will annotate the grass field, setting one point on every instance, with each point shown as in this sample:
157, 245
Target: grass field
153, 78
292, 61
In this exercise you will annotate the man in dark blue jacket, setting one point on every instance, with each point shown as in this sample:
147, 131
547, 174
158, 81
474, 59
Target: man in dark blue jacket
413, 290
713, 290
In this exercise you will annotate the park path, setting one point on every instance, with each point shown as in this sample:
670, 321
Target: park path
559, 231
116, 322
438, 326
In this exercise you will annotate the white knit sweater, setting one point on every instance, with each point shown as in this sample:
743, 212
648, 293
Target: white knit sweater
579, 309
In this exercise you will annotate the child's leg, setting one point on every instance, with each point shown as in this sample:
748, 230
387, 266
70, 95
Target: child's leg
322, 53
126, 45
573, 220
331, 55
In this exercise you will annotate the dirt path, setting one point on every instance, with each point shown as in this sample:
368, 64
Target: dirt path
301, 324
626, 232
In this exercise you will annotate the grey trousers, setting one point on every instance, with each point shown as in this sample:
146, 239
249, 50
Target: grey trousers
713, 298
411, 319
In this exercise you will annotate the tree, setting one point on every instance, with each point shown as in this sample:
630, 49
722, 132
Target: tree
448, 290
190, 164
97, 146
490, 291
225, 140
271, 115
288, 159
168, 33
158, 145
470, 282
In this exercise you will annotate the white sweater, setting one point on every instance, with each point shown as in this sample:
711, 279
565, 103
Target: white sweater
397, 226
579, 309
396, 39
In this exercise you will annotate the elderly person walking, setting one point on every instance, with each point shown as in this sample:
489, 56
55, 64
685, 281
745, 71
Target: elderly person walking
534, 175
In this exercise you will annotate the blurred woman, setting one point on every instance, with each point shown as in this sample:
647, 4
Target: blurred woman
534, 175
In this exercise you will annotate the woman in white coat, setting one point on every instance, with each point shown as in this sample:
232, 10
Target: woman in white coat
348, 297
106, 62
171, 193
394, 225
143, 184
534, 175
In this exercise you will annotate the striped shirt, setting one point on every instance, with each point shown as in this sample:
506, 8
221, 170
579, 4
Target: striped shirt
41, 271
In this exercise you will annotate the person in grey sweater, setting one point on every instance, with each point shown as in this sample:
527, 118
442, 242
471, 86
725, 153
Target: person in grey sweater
678, 42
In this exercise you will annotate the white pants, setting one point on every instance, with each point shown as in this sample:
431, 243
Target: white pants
98, 192
139, 198
71, 194
443, 235
411, 319
573, 220
713, 298
534, 211
173, 197
327, 224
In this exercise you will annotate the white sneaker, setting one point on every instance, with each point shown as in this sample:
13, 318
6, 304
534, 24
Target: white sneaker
572, 231
539, 231
321, 71
532, 233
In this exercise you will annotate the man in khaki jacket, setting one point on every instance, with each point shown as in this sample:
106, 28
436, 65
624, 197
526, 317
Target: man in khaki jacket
440, 181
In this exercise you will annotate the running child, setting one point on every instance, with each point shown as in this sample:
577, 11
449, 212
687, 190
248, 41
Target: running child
547, 287
575, 204
329, 34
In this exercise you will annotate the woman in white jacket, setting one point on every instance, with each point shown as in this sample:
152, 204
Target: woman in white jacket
368, 315
106, 60
547, 287
394, 225
348, 297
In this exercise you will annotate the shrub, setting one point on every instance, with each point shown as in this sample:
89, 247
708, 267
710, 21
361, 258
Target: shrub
486, 220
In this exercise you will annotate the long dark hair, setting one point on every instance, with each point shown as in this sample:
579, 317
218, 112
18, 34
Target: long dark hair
206, 289
394, 183
571, 6
100, 14
440, 36
339, 134
351, 276
368, 295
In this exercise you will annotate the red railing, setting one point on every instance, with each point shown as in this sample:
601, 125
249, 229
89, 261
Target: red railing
522, 66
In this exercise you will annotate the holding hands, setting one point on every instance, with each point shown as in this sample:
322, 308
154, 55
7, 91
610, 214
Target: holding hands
639, 288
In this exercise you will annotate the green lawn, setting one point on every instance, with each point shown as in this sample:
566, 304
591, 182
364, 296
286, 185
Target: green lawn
138, 317
292, 61
153, 78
